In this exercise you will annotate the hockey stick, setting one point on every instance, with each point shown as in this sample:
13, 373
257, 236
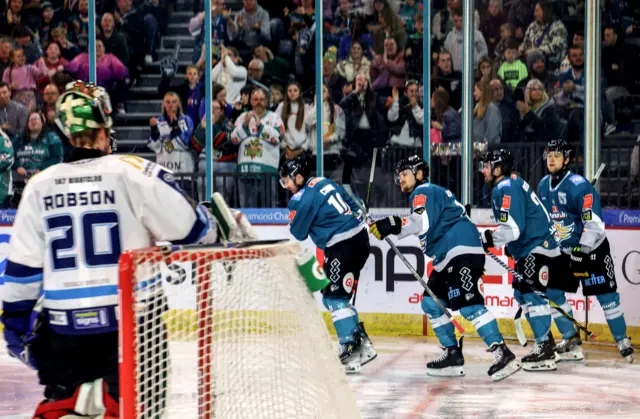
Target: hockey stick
366, 205
541, 294
404, 260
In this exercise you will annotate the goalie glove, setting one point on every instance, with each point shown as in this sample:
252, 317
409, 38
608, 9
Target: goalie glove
20, 331
382, 228
245, 231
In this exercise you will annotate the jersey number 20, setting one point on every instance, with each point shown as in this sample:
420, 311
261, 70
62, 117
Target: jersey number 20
88, 221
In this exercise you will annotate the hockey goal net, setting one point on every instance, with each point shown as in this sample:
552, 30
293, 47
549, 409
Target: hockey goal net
213, 332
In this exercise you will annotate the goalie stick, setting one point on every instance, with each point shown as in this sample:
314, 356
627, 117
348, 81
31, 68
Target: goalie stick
404, 260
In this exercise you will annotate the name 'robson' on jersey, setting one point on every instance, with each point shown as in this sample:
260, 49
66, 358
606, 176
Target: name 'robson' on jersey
74, 221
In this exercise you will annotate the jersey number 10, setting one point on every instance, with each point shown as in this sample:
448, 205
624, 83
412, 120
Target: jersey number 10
88, 221
338, 203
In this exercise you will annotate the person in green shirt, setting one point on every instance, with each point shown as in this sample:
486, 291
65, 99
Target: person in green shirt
512, 70
36, 149
6, 161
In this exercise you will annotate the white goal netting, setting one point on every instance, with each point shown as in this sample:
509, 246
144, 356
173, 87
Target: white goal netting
225, 333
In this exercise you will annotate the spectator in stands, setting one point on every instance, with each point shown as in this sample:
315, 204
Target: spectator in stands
275, 68
226, 153
545, 34
78, 25
23, 78
48, 108
244, 105
539, 116
508, 111
487, 122
490, 23
258, 134
13, 115
53, 63
110, 74
68, 50
114, 42
11, 18
578, 39
334, 81
449, 79
366, 128
5, 50
413, 51
485, 69
357, 32
333, 132
615, 60
453, 42
356, 63
294, 114
390, 26
255, 71
219, 27
571, 83
512, 71
387, 69
25, 39
140, 29
37, 148
408, 15
447, 120
339, 26
6, 162
276, 96
250, 28
443, 22
229, 73
47, 23
170, 136
536, 68
506, 34
406, 117
520, 16
219, 93
190, 91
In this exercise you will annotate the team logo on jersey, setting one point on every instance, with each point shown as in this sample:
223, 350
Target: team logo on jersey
506, 202
543, 276
253, 149
562, 197
419, 201
588, 201
587, 215
564, 232
168, 146
291, 215
347, 282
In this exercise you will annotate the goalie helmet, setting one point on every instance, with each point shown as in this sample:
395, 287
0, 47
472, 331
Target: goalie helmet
83, 106
558, 146
412, 163
291, 168
499, 158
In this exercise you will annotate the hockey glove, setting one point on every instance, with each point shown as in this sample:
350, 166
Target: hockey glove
19, 332
580, 262
487, 240
382, 228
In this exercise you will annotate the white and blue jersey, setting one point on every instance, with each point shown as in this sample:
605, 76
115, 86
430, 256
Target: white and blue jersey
442, 224
574, 207
323, 210
524, 225
74, 221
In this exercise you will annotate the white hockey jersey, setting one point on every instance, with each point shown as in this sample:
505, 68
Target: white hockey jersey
73, 222
259, 143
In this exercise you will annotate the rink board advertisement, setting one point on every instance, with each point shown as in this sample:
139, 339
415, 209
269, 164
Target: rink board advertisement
387, 287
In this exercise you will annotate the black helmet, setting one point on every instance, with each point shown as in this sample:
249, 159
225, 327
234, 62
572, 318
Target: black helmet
412, 163
502, 158
292, 167
560, 146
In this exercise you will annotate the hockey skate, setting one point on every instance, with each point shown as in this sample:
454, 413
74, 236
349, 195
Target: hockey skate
504, 362
570, 349
541, 358
449, 364
626, 349
354, 355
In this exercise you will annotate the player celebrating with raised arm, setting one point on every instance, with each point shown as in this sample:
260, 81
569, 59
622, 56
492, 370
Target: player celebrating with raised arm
524, 226
448, 236
574, 206
320, 208
60, 296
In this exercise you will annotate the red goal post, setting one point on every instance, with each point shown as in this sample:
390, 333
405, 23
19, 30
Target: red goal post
219, 332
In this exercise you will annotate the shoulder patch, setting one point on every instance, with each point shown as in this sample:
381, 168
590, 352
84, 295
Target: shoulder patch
577, 179
419, 201
291, 215
514, 176
506, 202
503, 183
314, 181
588, 201
298, 195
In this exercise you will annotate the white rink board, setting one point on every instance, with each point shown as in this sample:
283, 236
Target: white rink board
385, 288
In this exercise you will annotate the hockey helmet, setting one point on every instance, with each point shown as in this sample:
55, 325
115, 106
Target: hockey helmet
412, 163
558, 146
501, 158
83, 106
291, 168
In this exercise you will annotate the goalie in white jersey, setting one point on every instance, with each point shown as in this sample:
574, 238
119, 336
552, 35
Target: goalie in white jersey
60, 295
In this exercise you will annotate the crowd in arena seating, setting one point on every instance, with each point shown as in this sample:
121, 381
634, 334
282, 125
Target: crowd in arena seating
528, 60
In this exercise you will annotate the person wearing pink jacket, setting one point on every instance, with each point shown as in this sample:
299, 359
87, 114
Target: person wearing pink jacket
22, 78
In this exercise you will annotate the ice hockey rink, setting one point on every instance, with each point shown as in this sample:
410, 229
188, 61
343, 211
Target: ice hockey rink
395, 386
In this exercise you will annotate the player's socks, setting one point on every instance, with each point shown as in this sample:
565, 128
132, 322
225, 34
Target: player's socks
344, 316
441, 324
541, 358
484, 322
450, 363
504, 362
566, 328
610, 304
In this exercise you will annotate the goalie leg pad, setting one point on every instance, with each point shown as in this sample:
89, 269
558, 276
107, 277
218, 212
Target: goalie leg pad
565, 326
90, 400
344, 317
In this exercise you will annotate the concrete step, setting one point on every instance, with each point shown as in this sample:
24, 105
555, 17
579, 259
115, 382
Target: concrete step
137, 106
169, 41
153, 79
179, 27
184, 55
135, 118
144, 93
130, 133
